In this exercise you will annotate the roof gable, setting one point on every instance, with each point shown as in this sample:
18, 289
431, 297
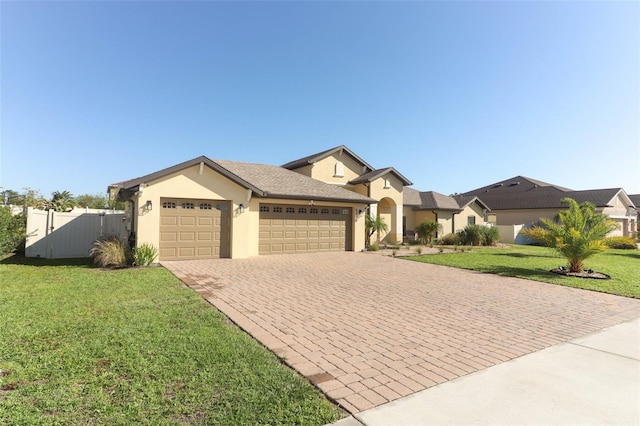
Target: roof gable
310, 159
375, 174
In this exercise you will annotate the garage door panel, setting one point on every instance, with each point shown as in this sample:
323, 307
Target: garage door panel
187, 221
194, 229
169, 220
290, 229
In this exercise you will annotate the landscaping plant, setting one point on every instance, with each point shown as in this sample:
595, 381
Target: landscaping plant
376, 226
12, 231
577, 234
427, 231
110, 251
145, 254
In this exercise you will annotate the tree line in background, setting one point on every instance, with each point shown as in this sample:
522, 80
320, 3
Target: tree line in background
13, 227
60, 201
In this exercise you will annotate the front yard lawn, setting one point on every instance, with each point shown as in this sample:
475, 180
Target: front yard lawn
80, 345
534, 263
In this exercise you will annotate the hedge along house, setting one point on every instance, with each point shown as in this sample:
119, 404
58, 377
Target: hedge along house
205, 208
341, 167
452, 213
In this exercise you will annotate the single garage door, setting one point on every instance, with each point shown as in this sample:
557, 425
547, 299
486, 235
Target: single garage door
194, 229
300, 229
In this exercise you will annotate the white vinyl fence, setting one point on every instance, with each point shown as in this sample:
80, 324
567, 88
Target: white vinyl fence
56, 235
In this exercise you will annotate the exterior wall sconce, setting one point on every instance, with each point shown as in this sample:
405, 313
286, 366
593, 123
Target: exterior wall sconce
312, 203
241, 208
360, 212
149, 205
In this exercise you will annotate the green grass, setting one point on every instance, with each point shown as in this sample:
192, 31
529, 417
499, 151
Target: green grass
80, 345
534, 263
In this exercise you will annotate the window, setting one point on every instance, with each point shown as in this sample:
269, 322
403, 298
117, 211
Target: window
188, 206
324, 211
302, 210
313, 210
387, 184
335, 211
205, 206
264, 209
277, 209
345, 211
339, 169
471, 220
290, 210
168, 205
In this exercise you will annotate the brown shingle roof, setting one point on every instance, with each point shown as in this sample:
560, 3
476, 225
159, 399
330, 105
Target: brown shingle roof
310, 159
279, 182
375, 174
264, 180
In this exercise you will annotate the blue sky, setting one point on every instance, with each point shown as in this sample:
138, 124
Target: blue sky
454, 95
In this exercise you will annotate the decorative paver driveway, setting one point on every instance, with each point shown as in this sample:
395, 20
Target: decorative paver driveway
368, 329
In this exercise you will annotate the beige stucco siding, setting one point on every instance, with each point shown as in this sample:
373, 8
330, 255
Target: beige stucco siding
189, 183
325, 169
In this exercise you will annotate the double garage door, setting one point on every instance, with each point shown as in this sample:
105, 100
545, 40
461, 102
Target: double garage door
299, 229
194, 229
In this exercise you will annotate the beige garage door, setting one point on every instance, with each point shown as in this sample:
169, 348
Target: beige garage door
194, 229
299, 229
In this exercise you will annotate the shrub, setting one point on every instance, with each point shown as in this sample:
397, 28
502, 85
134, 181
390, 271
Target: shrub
12, 231
449, 240
490, 235
419, 250
145, 254
471, 235
374, 247
626, 243
110, 251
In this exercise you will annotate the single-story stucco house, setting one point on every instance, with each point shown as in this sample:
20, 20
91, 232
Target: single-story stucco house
523, 201
205, 208
452, 213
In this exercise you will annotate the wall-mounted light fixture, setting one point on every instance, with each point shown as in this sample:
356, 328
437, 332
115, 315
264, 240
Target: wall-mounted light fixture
360, 212
312, 203
241, 208
149, 205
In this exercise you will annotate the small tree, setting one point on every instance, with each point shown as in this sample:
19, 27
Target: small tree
576, 234
427, 231
374, 226
12, 231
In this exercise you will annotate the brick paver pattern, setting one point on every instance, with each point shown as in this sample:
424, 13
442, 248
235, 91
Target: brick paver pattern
368, 329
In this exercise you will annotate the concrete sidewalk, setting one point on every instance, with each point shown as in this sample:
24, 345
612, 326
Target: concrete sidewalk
589, 380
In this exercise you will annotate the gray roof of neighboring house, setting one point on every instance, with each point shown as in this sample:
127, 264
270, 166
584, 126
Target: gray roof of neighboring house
635, 199
430, 200
375, 174
264, 180
310, 159
523, 193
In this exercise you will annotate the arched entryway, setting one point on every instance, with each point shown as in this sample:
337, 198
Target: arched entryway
389, 211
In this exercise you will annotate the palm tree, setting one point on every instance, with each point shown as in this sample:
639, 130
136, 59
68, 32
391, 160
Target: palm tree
576, 234
376, 226
61, 201
427, 231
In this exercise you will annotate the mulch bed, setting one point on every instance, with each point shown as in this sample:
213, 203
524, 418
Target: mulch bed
587, 273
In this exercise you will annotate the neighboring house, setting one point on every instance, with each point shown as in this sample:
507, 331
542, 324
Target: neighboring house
452, 213
206, 208
341, 167
635, 198
523, 201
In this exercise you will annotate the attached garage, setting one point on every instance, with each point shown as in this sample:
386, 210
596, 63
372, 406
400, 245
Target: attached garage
194, 229
208, 209
300, 229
